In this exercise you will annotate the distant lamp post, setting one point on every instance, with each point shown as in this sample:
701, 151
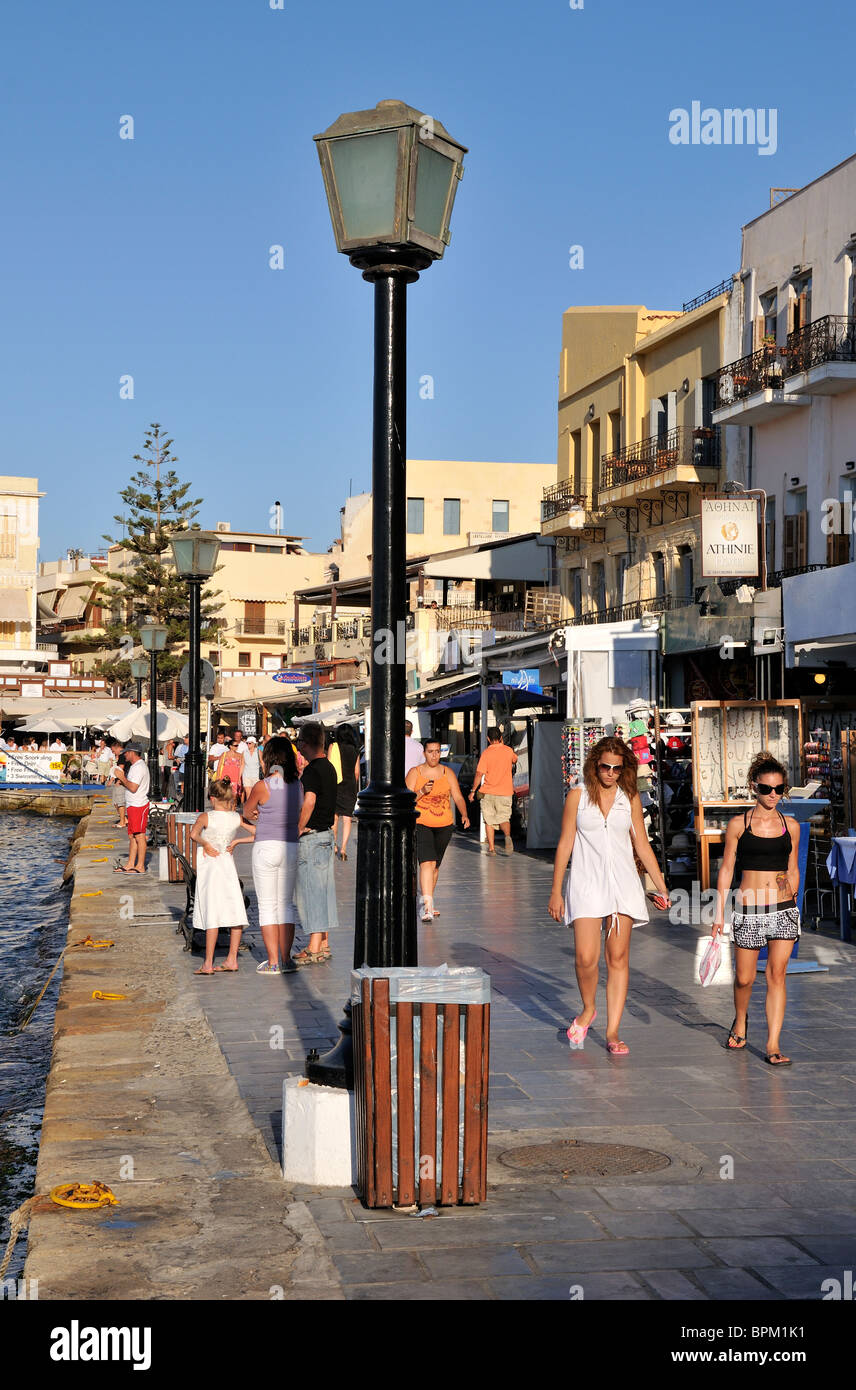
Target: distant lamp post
139, 667
391, 175
153, 637
194, 555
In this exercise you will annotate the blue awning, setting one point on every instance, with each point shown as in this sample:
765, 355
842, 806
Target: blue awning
510, 695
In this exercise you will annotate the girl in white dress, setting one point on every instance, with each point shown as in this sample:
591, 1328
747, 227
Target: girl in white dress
219, 901
598, 821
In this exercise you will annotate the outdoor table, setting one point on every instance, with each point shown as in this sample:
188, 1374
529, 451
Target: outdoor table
841, 863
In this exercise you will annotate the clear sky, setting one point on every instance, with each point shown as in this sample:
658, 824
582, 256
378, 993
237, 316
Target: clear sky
149, 256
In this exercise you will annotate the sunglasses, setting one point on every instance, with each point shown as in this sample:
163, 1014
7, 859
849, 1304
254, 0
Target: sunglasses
764, 789
609, 767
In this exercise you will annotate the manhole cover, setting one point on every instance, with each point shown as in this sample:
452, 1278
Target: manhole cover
574, 1158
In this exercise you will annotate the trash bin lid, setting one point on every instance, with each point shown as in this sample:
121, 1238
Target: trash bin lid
426, 984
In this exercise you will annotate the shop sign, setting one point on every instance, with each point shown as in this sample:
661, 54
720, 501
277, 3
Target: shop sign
525, 678
729, 538
30, 767
292, 677
247, 722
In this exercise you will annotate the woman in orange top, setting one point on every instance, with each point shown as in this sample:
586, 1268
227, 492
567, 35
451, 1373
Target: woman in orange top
436, 788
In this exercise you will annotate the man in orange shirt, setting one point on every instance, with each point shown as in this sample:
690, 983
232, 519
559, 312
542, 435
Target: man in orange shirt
493, 776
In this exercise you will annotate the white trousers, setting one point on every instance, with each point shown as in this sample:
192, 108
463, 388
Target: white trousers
274, 873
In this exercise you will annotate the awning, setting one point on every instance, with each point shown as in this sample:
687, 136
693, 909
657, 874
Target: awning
471, 699
14, 605
73, 603
44, 610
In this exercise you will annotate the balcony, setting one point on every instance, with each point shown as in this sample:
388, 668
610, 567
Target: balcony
753, 389
679, 457
259, 627
563, 511
631, 612
820, 359
774, 580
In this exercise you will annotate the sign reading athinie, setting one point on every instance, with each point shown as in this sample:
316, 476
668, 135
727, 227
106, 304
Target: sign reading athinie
730, 542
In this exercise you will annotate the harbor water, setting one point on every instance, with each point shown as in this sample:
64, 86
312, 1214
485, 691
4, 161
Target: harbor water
33, 922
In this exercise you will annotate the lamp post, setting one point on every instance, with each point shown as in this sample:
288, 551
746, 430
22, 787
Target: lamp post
390, 175
194, 555
139, 667
153, 637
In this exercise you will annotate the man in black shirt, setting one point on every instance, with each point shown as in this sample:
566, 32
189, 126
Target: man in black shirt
316, 885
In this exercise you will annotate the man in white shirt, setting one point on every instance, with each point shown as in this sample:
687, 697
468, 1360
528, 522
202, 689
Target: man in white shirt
57, 746
135, 780
414, 753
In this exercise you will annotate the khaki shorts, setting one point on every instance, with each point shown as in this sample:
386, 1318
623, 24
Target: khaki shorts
496, 810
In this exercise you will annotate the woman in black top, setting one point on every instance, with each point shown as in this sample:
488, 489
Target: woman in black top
764, 846
346, 792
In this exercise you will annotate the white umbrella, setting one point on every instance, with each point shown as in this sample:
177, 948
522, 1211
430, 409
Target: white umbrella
171, 723
46, 724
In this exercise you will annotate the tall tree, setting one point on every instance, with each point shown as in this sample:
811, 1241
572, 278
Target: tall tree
143, 588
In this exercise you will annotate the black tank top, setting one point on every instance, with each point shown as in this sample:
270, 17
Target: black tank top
763, 853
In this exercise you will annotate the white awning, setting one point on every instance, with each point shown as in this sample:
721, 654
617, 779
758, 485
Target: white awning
14, 605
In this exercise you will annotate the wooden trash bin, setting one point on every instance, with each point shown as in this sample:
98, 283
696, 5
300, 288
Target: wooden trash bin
421, 1057
178, 827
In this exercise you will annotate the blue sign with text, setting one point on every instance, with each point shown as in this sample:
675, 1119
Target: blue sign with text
524, 679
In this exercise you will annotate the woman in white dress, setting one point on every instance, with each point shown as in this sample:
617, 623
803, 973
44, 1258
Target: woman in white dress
219, 901
601, 825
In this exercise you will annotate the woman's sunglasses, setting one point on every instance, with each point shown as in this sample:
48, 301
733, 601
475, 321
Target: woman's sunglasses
764, 789
609, 767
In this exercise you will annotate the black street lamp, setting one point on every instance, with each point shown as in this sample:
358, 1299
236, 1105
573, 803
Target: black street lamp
390, 175
153, 637
139, 667
194, 555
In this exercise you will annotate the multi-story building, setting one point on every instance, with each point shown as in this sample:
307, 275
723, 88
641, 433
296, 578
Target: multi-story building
71, 604
786, 399
19, 548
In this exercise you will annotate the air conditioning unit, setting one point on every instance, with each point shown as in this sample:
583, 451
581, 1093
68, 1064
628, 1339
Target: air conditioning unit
224, 525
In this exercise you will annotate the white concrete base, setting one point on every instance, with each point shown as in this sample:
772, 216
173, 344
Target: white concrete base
318, 1134
163, 864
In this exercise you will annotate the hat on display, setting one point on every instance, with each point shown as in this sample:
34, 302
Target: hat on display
674, 720
675, 744
637, 706
637, 727
644, 755
639, 741
681, 841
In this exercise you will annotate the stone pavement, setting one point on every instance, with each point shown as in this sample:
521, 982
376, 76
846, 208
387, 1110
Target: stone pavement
759, 1199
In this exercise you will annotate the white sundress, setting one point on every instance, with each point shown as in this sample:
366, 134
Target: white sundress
219, 901
603, 880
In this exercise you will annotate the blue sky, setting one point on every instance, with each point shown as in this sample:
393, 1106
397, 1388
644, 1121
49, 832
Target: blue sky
150, 256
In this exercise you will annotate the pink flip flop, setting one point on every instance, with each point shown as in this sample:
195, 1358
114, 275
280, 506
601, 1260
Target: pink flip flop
618, 1049
576, 1034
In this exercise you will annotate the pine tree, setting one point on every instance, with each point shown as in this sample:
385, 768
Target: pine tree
156, 503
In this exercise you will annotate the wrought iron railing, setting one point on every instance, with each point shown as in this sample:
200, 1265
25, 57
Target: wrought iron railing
628, 612
774, 580
561, 498
829, 339
258, 627
763, 370
700, 448
708, 294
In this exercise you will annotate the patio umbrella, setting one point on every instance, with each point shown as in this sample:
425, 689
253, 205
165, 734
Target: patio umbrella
46, 724
171, 723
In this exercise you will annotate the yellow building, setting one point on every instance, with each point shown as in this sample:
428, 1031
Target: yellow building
636, 451
450, 504
19, 548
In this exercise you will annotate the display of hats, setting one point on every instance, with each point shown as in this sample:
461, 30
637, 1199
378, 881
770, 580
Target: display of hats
674, 720
675, 745
639, 741
637, 706
644, 755
637, 727
681, 841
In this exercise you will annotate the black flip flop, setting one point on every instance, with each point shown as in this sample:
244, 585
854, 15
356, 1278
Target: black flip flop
785, 1062
744, 1040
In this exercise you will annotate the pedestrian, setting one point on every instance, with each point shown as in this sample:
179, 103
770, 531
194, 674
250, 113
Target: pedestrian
103, 759
57, 746
219, 900
252, 769
274, 805
347, 788
216, 753
136, 782
601, 825
436, 788
117, 791
414, 753
231, 765
764, 847
493, 780
316, 883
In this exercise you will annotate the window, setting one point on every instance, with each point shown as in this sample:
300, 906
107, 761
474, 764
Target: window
595, 456
243, 658
254, 618
576, 460
659, 561
577, 592
243, 546
614, 431
499, 519
767, 318
795, 538
620, 573
214, 658
841, 543
770, 533
598, 585
415, 516
267, 549
451, 516
851, 289
801, 303
686, 577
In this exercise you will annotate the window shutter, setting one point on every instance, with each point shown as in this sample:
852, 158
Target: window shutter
789, 542
802, 542
837, 550
759, 331
803, 309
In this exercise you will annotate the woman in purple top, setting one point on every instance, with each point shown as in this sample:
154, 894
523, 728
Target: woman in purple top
273, 807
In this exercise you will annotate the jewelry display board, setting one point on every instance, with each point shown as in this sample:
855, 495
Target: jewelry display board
727, 735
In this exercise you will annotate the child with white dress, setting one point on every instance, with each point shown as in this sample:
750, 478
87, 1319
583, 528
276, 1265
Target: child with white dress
219, 900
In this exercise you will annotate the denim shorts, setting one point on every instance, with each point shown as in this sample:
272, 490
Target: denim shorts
315, 894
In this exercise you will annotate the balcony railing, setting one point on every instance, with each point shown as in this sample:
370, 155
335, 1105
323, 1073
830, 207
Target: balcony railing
699, 448
774, 580
708, 294
629, 612
350, 629
561, 498
763, 370
258, 627
829, 339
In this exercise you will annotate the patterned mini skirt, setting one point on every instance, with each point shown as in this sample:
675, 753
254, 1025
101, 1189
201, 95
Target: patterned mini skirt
752, 930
